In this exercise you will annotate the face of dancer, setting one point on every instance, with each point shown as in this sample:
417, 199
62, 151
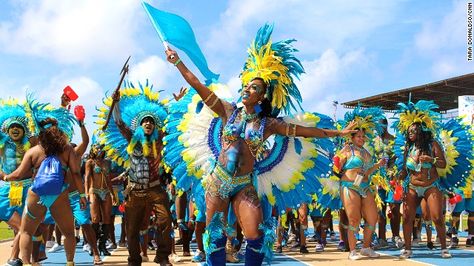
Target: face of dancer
413, 131
148, 125
253, 92
65, 100
358, 138
16, 132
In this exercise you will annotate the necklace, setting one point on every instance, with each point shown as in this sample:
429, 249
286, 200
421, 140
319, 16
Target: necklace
248, 117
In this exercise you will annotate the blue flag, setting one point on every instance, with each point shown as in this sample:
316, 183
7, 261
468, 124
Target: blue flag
177, 31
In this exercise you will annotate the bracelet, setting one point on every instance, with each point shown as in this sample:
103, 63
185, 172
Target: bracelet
294, 131
287, 132
434, 160
208, 97
214, 103
81, 124
177, 62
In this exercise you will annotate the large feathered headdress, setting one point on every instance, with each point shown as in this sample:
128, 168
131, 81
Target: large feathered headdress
275, 63
135, 104
422, 112
367, 119
37, 112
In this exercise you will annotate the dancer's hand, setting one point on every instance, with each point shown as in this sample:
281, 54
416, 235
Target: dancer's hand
116, 96
172, 56
425, 158
349, 129
181, 93
83, 203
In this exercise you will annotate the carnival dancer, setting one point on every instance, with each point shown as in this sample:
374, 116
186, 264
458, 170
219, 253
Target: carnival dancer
421, 155
100, 192
356, 165
133, 139
14, 142
49, 190
267, 89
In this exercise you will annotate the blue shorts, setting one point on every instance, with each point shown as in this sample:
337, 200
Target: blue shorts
81, 217
6, 211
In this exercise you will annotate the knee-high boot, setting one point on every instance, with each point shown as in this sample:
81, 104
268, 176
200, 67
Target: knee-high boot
217, 257
253, 257
103, 240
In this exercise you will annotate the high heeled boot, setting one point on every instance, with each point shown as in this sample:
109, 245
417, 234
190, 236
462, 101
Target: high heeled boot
103, 240
252, 255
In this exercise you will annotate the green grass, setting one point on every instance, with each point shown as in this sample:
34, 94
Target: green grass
5, 231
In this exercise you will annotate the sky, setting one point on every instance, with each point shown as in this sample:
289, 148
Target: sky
349, 49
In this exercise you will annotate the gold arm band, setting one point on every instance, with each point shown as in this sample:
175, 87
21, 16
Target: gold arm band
287, 132
214, 103
208, 97
294, 131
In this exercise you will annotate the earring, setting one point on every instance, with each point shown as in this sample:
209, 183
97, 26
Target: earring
257, 107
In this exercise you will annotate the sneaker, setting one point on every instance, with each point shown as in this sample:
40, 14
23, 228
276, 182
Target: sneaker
122, 244
295, 246
369, 252
332, 235
312, 239
50, 244
199, 256
304, 250
144, 258
415, 242
279, 250
454, 242
86, 248
150, 246
153, 242
319, 247
445, 254
174, 258
406, 254
398, 242
111, 246
14, 262
55, 247
354, 256
341, 246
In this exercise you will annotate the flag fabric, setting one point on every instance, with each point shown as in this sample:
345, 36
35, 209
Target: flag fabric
176, 30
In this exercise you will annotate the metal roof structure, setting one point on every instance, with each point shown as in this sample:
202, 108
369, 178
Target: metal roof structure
444, 93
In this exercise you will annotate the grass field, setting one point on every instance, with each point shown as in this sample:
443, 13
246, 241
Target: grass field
5, 231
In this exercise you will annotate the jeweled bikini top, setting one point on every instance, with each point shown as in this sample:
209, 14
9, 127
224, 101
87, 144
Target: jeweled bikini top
254, 138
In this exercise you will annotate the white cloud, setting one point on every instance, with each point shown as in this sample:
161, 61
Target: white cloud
324, 74
155, 69
73, 31
443, 41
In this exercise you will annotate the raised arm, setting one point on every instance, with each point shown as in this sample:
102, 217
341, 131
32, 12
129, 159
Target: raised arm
81, 148
209, 98
126, 132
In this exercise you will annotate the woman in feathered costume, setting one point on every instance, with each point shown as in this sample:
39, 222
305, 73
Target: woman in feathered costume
55, 129
14, 142
418, 125
267, 89
356, 165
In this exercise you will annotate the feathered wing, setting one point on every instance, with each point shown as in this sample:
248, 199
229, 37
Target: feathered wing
288, 176
193, 137
457, 140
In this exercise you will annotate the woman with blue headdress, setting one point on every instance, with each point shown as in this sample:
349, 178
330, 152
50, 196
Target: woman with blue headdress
420, 154
356, 165
267, 89
14, 142
50, 160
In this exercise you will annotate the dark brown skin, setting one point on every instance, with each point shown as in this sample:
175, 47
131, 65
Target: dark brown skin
433, 196
247, 209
